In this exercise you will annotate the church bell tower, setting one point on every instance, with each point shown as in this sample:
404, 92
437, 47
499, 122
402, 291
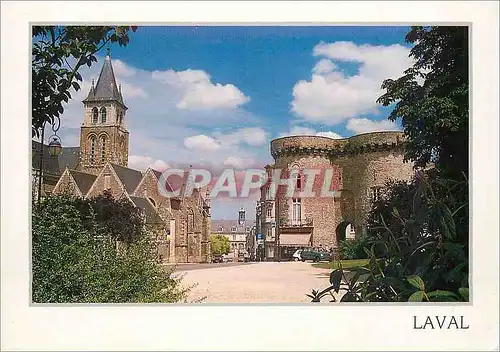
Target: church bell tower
103, 134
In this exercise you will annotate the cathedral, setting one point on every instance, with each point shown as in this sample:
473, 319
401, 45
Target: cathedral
180, 225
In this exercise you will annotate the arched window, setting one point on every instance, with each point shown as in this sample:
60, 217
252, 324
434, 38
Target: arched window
95, 115
92, 150
120, 117
103, 115
103, 149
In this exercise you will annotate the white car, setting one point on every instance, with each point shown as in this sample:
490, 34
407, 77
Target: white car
296, 256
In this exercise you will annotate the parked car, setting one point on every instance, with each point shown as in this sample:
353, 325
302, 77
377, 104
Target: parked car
217, 259
314, 255
296, 256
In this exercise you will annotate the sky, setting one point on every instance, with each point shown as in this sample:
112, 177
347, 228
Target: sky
217, 96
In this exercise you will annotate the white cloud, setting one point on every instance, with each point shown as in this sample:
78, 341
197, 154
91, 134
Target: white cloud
297, 130
141, 163
331, 97
252, 136
130, 91
329, 134
201, 143
363, 125
121, 69
198, 92
324, 66
238, 163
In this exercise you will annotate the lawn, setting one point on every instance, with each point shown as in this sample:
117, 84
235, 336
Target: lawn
350, 263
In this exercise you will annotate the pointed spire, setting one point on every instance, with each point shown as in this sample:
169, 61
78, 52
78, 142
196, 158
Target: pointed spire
106, 88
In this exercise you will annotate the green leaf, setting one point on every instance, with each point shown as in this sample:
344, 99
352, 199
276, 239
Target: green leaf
416, 297
416, 281
441, 294
464, 293
335, 279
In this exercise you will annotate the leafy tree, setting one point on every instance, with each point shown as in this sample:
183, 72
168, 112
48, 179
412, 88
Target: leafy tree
75, 260
58, 53
219, 245
435, 114
117, 218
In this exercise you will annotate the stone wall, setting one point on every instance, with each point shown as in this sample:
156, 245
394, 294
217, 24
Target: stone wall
115, 186
359, 164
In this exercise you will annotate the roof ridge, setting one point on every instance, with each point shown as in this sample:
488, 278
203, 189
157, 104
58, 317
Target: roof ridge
81, 172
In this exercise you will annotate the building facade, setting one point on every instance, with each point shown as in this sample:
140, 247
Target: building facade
180, 225
357, 168
236, 231
267, 209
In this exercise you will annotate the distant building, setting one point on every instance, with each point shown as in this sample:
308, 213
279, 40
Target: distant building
236, 231
266, 207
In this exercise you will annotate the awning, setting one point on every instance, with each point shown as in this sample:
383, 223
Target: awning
299, 240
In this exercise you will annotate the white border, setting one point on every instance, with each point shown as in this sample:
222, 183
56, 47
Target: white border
254, 328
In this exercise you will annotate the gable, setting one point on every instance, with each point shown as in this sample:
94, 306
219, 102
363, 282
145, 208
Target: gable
66, 185
107, 180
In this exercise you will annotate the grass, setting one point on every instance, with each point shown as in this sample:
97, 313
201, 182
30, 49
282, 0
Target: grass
349, 263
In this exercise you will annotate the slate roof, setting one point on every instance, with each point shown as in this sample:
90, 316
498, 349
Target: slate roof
54, 165
149, 211
129, 177
106, 88
83, 180
227, 225
69, 157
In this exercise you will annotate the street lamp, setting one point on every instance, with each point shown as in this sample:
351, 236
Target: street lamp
54, 149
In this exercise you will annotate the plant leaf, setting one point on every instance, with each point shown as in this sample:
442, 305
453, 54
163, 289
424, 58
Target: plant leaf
416, 282
416, 297
464, 293
335, 279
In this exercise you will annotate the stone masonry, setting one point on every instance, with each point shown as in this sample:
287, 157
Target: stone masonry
360, 166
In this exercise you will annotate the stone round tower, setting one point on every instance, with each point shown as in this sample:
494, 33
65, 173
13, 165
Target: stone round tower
306, 216
355, 167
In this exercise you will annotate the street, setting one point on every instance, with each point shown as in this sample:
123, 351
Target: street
262, 282
198, 266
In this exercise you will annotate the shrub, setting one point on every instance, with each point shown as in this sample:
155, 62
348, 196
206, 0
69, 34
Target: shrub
75, 260
354, 249
412, 258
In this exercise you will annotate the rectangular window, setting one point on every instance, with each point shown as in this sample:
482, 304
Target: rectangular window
107, 181
269, 212
296, 211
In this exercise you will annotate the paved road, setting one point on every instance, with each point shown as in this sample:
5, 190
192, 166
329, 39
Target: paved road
267, 282
188, 267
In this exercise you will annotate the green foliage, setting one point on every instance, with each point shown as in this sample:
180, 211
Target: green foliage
219, 245
117, 218
423, 261
435, 114
58, 53
75, 260
355, 248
